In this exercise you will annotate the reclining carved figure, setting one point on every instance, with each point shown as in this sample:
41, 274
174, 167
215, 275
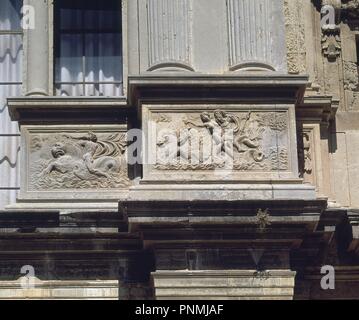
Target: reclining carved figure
83, 163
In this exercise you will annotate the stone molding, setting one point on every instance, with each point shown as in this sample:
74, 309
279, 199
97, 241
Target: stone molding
226, 284
60, 290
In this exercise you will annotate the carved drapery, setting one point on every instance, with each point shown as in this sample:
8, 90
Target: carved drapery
169, 33
256, 34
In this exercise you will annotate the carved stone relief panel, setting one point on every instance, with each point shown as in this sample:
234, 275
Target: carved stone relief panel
73, 161
311, 166
351, 84
307, 160
215, 142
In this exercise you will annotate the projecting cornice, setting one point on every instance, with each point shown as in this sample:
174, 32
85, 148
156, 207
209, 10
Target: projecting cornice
191, 88
320, 109
48, 109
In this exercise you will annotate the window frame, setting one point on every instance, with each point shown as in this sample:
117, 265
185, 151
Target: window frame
52, 57
19, 32
11, 188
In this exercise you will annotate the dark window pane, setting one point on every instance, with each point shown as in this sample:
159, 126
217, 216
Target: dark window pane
89, 15
71, 19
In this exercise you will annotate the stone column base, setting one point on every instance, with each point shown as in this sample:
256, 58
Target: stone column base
224, 285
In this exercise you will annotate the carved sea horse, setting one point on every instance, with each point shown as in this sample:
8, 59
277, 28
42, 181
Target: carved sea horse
98, 158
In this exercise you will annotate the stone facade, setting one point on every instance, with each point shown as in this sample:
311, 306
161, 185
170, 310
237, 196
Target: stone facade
243, 120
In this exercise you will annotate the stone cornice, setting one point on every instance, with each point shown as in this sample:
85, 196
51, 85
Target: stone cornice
168, 87
231, 209
318, 108
246, 87
47, 109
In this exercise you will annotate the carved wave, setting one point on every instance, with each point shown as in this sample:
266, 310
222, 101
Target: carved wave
59, 181
275, 160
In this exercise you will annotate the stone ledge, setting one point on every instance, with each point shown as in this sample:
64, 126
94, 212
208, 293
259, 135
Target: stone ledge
201, 87
218, 208
64, 207
215, 192
224, 284
60, 290
57, 109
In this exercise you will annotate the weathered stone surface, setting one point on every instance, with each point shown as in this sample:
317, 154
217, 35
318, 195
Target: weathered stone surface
189, 143
59, 290
250, 35
223, 285
340, 171
204, 66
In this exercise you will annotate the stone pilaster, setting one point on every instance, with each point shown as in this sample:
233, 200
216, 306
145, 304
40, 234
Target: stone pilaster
169, 24
37, 51
255, 41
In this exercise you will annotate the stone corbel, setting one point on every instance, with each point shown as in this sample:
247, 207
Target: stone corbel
314, 116
331, 42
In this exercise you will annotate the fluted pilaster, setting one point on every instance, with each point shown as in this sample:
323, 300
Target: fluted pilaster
169, 33
256, 34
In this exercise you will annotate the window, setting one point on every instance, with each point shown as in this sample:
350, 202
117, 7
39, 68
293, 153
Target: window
10, 49
88, 48
10, 85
